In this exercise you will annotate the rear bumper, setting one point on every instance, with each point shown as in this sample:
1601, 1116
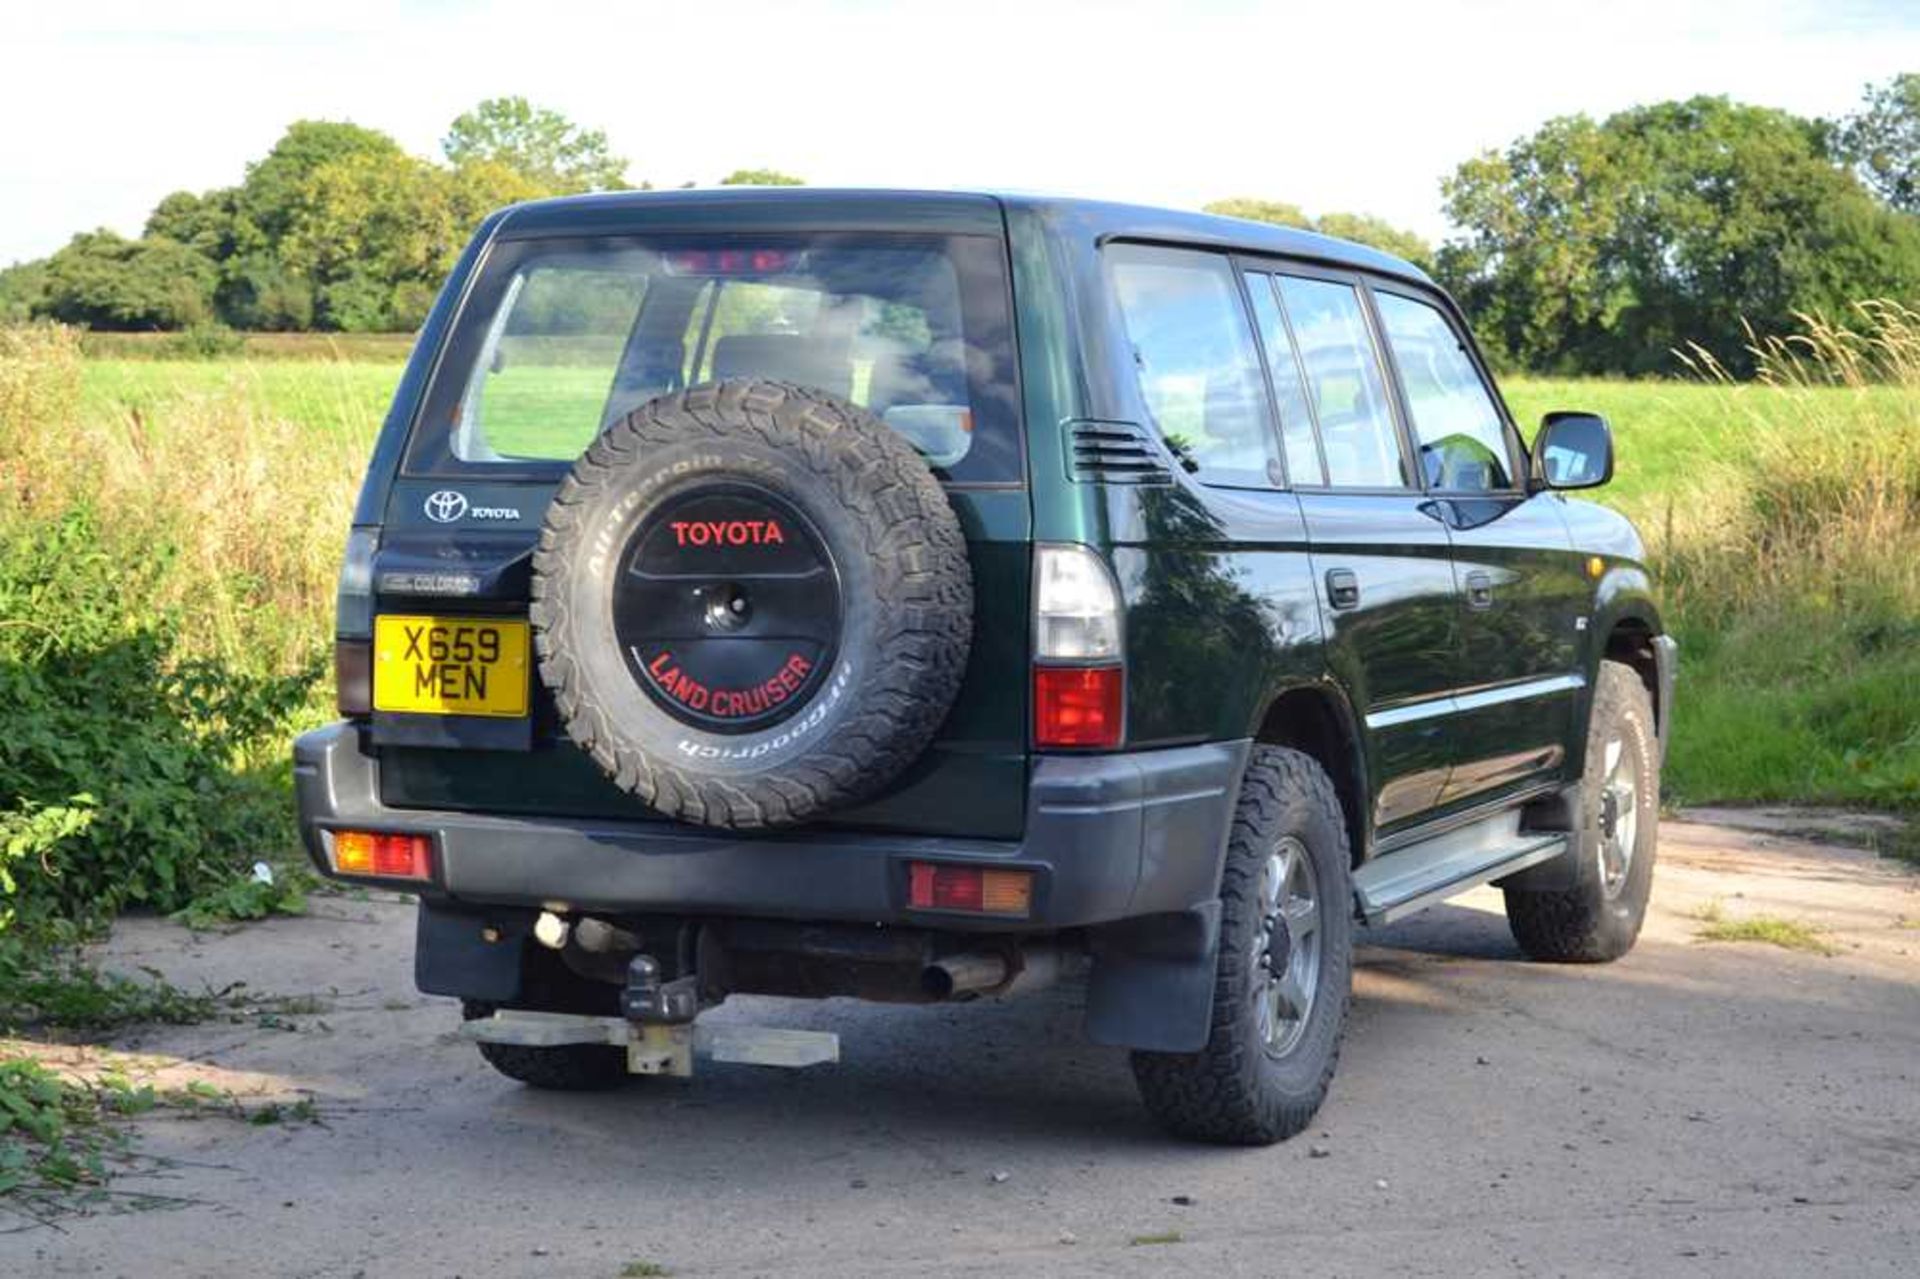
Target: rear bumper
1108, 837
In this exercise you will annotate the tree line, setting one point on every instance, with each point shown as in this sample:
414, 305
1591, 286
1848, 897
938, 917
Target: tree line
1587, 246
337, 228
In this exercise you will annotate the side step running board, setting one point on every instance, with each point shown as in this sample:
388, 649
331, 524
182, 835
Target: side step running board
1397, 884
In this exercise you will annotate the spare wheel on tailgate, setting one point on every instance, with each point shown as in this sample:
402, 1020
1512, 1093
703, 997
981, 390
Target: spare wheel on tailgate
752, 603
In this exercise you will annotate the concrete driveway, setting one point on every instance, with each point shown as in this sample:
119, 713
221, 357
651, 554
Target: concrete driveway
1699, 1108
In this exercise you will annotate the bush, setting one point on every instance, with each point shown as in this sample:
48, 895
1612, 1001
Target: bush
203, 342
124, 774
159, 642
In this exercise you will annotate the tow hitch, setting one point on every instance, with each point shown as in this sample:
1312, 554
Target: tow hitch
658, 1031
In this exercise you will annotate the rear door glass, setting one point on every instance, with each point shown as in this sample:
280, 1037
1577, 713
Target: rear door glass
562, 339
1345, 383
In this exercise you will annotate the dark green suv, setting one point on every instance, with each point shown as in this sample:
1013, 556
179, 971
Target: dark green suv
916, 596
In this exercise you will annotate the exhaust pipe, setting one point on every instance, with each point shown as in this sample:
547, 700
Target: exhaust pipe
992, 972
592, 948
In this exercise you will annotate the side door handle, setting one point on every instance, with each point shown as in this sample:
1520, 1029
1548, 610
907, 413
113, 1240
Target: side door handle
1479, 590
1343, 588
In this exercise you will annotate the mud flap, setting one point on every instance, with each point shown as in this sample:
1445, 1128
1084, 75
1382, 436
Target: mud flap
1152, 982
1559, 811
469, 954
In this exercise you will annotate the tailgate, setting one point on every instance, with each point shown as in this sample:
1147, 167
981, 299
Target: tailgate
971, 782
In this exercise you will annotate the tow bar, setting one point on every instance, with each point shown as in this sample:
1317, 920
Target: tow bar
658, 1031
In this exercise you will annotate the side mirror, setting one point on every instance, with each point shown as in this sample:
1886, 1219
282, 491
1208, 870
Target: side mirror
1572, 451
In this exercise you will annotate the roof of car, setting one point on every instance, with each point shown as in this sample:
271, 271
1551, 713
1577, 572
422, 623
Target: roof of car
1099, 218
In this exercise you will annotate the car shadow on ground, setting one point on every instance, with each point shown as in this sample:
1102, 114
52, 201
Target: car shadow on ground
986, 1075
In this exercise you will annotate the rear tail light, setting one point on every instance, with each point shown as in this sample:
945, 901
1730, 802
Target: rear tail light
353, 600
353, 625
1079, 682
1077, 706
353, 676
973, 889
1076, 607
382, 855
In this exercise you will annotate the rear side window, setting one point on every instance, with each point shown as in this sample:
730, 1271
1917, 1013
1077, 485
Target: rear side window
560, 339
1462, 444
1194, 354
1345, 384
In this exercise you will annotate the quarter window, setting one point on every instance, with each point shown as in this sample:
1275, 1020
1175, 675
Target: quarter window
1345, 384
1193, 352
1462, 443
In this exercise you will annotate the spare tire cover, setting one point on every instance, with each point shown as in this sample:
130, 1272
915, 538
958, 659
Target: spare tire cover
752, 603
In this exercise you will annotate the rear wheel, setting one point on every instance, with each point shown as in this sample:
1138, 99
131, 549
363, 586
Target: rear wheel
1598, 918
1285, 967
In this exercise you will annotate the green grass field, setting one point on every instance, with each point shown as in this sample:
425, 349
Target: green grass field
1801, 654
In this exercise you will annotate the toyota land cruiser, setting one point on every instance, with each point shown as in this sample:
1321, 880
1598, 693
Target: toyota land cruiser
912, 596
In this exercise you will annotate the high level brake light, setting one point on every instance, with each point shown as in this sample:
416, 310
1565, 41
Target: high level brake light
731, 261
1079, 680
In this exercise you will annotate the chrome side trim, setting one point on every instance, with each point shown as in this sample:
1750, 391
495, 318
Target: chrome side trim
1480, 699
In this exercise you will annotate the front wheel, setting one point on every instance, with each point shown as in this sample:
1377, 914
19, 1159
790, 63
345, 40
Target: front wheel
1285, 967
1599, 917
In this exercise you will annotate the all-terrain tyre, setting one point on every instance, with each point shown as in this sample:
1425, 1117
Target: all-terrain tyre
1614, 837
752, 603
1262, 1075
568, 1068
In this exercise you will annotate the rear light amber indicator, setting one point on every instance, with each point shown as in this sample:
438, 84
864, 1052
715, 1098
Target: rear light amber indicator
973, 889
382, 855
1077, 706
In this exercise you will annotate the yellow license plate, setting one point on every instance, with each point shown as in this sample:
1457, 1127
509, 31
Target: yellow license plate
450, 666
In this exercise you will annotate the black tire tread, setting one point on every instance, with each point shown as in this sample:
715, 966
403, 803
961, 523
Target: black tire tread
1572, 926
924, 589
1215, 1094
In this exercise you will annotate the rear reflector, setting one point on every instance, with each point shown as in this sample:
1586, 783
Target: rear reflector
382, 856
969, 888
1077, 706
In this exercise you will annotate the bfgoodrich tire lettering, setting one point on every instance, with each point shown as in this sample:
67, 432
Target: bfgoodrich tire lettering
1599, 917
898, 561
1238, 1090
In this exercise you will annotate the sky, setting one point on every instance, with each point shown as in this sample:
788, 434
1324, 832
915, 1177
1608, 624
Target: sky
1354, 105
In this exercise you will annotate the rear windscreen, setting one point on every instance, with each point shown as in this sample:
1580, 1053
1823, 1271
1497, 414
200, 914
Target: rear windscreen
559, 339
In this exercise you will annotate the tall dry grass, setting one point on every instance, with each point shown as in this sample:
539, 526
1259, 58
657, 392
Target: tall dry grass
1816, 509
1790, 562
225, 513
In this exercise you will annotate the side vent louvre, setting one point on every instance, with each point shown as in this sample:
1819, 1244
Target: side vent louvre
1115, 453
